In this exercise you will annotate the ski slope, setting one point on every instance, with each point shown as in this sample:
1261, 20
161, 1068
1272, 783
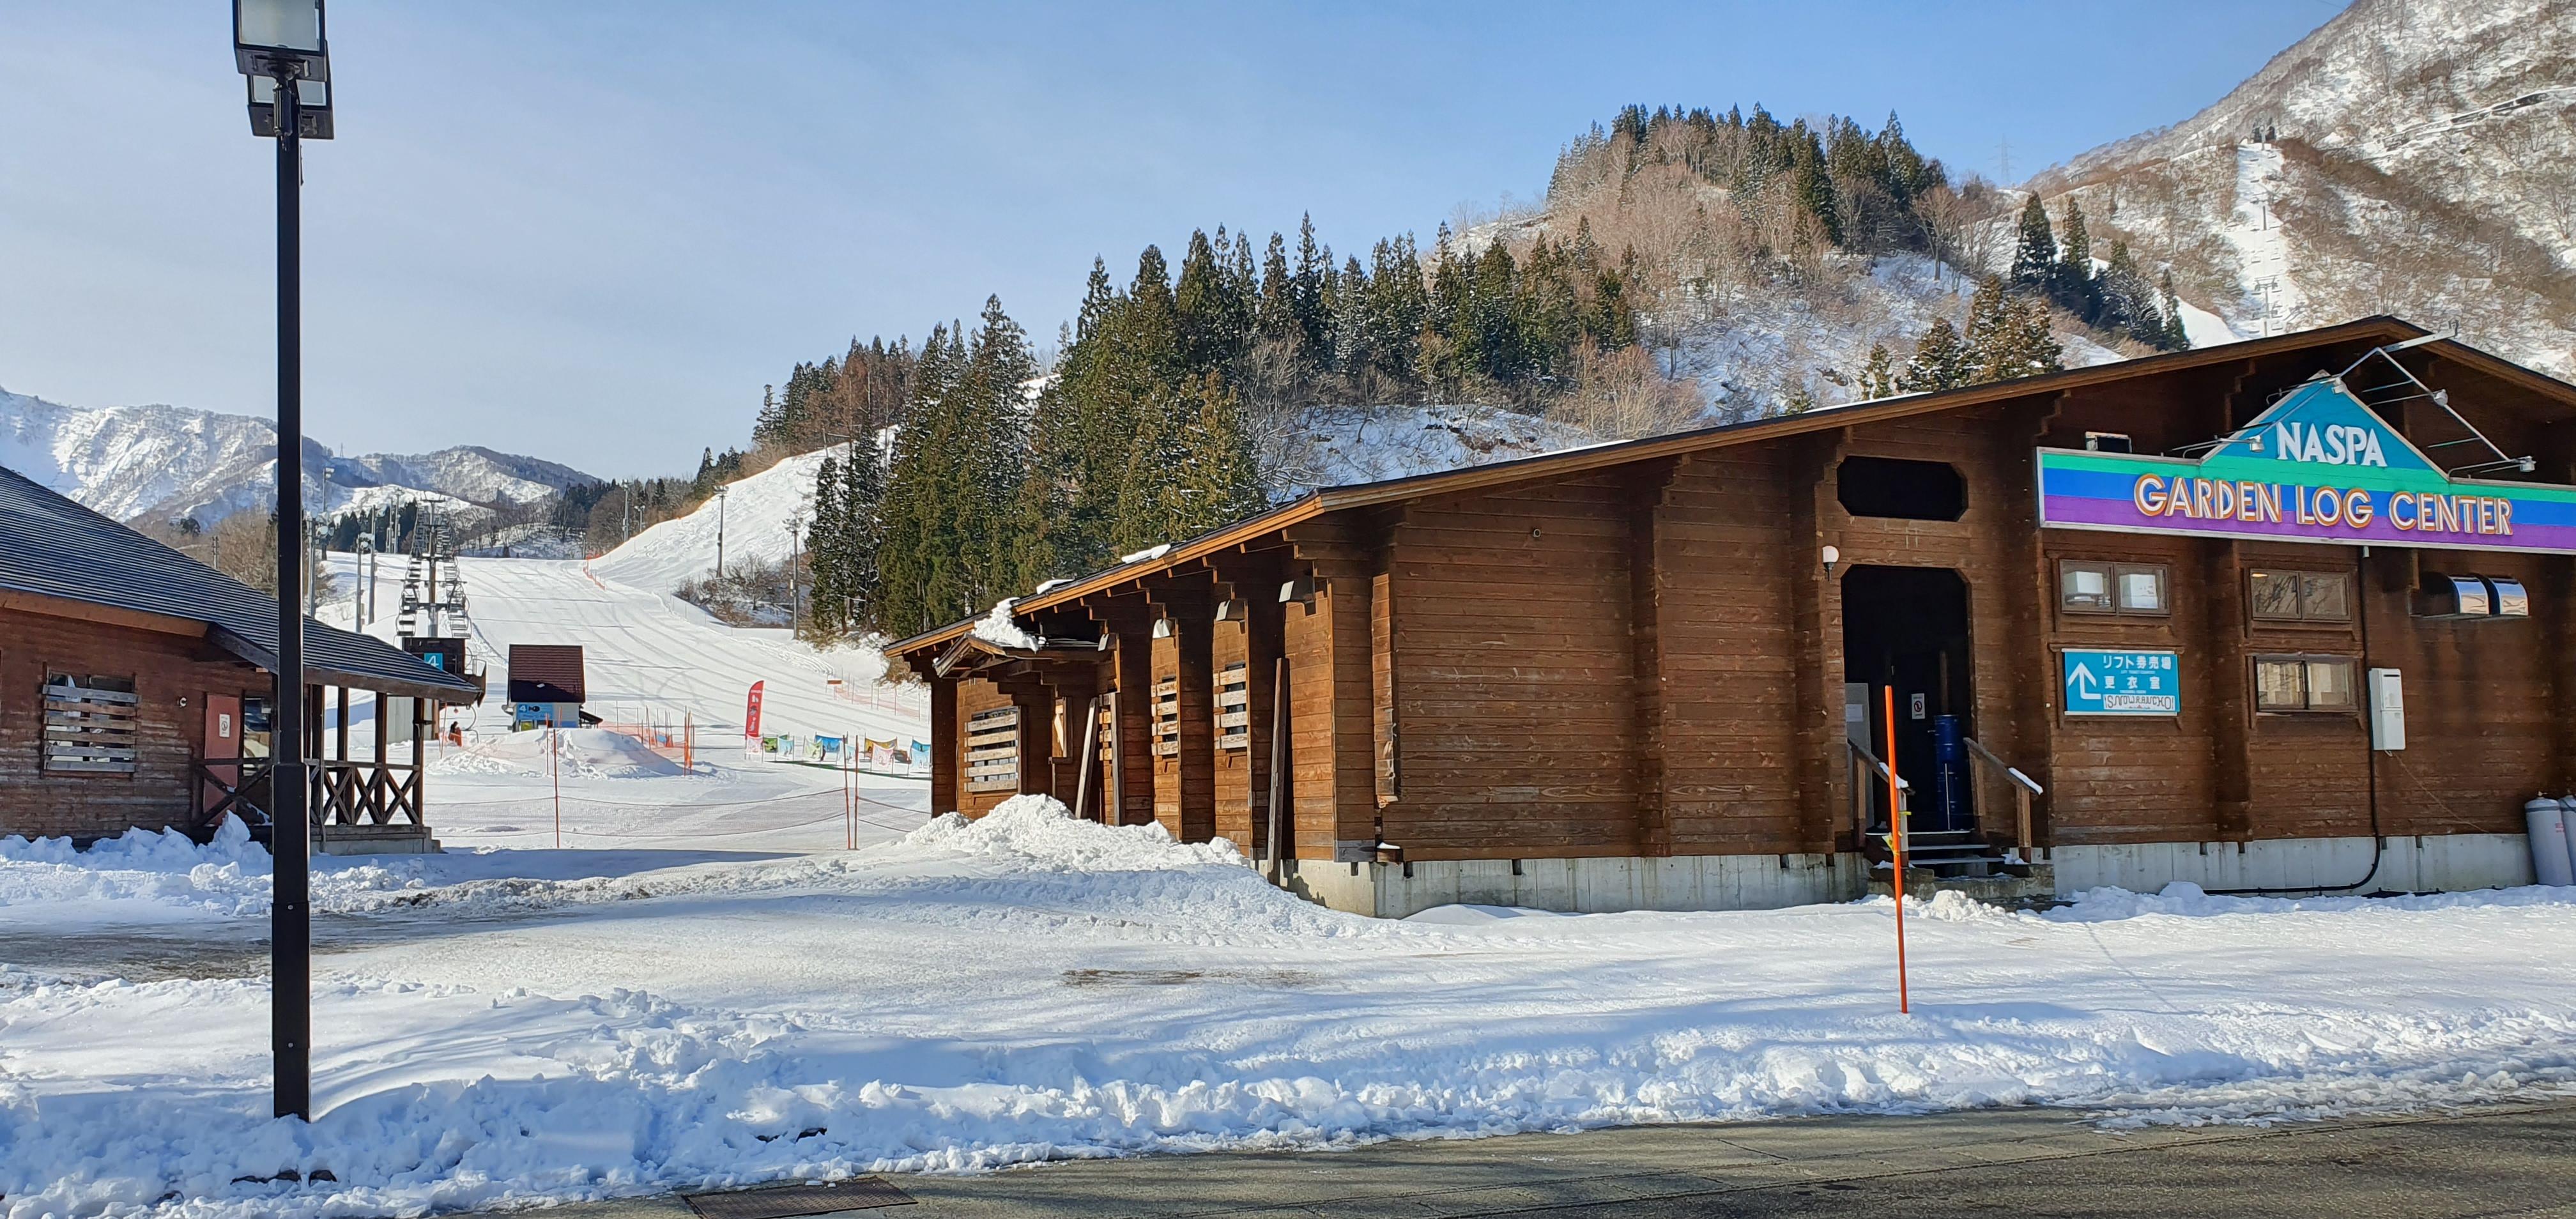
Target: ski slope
759, 519
649, 655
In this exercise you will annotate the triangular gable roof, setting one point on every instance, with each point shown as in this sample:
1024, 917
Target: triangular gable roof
1326, 500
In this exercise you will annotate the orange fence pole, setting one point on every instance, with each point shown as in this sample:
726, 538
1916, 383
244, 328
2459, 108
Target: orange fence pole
1896, 843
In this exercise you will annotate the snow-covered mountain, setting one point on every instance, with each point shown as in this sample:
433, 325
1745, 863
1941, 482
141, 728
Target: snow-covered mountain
167, 462
2415, 157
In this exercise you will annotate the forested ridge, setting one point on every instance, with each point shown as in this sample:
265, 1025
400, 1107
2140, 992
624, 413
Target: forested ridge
964, 471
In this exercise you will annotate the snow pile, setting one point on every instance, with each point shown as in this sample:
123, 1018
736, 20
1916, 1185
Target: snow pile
144, 876
1038, 833
2184, 899
578, 753
998, 628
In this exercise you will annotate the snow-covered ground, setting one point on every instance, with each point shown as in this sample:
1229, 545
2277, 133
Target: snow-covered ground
511, 1027
647, 655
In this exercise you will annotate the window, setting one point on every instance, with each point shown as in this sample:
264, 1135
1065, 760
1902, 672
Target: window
2109, 442
2091, 586
90, 724
1900, 489
1167, 717
993, 750
2304, 683
1234, 707
2301, 596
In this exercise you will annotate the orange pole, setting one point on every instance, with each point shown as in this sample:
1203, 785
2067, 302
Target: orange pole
1896, 843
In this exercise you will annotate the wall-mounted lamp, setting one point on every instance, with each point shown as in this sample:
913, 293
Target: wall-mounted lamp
1229, 610
1832, 555
1300, 590
1162, 628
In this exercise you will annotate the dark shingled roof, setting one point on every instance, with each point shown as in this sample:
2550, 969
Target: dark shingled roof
546, 673
53, 547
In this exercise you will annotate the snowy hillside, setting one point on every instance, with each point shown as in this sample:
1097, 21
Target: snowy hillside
1334, 446
2415, 157
166, 462
759, 519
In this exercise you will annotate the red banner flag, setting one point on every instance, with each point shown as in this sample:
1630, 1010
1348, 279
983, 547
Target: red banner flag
751, 714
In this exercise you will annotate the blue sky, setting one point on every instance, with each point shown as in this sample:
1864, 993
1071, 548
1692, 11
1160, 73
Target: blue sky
591, 232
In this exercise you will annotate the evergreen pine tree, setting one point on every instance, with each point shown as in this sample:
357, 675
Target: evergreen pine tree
1940, 361
2176, 338
2075, 289
2035, 256
1878, 378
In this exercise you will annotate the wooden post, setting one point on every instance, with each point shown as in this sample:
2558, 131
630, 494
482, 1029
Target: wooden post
420, 728
1277, 842
2021, 817
947, 756
2228, 694
1193, 639
1646, 663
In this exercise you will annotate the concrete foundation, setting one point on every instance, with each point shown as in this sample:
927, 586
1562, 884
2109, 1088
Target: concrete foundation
2430, 863
2433, 863
373, 840
1586, 886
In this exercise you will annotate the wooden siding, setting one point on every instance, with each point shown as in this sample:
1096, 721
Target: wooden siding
1511, 690
1648, 658
162, 790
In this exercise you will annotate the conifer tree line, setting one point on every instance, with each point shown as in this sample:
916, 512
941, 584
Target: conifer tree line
1147, 430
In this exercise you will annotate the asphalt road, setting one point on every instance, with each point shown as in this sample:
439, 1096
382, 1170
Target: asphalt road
2500, 1161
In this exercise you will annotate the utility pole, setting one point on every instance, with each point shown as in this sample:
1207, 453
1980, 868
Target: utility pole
720, 526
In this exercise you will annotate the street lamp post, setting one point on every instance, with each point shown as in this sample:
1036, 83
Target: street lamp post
279, 48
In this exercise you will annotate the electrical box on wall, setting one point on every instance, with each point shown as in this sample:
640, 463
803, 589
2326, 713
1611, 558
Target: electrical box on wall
2387, 710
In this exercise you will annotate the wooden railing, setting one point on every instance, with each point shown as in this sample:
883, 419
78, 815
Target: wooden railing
1864, 765
2023, 788
363, 793
337, 793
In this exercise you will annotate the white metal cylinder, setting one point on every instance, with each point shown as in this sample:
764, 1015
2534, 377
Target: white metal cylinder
2550, 859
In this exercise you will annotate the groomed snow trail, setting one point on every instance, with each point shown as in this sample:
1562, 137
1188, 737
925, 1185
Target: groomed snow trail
2272, 303
1027, 987
648, 652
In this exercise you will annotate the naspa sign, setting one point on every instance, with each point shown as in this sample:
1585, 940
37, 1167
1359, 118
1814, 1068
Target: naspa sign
2316, 467
2100, 681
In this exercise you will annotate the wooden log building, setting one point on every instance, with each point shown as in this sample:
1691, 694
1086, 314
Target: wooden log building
134, 683
2290, 614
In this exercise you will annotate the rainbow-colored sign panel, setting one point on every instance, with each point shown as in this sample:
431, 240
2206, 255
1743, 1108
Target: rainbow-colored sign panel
2316, 467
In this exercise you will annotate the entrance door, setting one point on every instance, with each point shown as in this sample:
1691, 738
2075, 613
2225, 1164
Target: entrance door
1907, 628
223, 747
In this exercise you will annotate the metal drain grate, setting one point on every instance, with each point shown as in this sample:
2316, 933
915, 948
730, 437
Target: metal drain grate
786, 1201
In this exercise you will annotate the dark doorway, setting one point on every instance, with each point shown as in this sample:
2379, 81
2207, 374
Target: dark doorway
1907, 628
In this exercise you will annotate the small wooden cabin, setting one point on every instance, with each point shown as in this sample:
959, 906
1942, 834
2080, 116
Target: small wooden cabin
134, 686
2290, 614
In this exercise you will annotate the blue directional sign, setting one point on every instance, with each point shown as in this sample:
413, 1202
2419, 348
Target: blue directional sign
2121, 682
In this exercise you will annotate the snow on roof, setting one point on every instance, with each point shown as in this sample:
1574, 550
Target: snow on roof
998, 628
1150, 552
